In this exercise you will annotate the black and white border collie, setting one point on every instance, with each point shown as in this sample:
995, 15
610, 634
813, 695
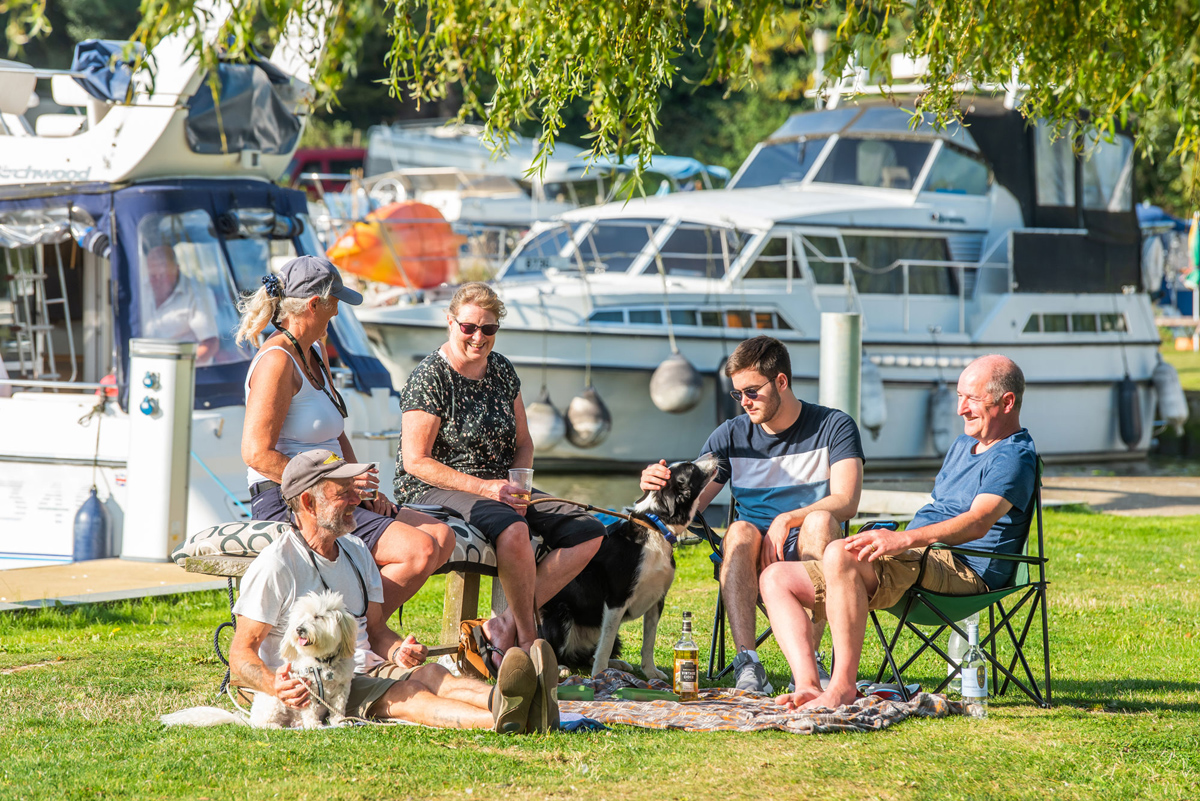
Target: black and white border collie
628, 578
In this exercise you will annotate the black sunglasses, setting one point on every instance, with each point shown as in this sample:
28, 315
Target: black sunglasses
488, 330
752, 394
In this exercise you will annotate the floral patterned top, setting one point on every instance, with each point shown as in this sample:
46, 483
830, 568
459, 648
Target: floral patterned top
478, 435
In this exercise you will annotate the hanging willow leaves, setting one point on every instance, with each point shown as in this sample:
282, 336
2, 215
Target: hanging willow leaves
513, 61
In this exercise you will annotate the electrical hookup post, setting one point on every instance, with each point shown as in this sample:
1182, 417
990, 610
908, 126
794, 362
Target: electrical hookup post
841, 363
162, 389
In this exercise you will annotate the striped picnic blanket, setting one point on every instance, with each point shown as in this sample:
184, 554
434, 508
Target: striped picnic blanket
726, 709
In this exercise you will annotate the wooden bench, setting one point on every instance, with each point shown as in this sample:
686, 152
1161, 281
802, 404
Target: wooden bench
460, 602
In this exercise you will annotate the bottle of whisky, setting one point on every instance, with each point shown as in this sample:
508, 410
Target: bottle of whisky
974, 675
687, 663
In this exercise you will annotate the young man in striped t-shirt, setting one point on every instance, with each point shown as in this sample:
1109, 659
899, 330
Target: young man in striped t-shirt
795, 471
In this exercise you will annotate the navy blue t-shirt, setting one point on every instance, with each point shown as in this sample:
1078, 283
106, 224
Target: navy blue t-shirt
770, 474
1007, 469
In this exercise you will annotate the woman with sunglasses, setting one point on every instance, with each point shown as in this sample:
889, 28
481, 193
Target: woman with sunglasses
463, 428
292, 406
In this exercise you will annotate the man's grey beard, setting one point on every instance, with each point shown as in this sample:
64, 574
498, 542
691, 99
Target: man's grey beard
333, 523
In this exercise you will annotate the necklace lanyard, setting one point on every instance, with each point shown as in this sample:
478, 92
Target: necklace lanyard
325, 386
362, 584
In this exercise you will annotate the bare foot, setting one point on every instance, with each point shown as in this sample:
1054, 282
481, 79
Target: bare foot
802, 695
501, 632
832, 698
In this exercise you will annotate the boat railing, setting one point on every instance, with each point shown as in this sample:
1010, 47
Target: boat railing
966, 276
76, 386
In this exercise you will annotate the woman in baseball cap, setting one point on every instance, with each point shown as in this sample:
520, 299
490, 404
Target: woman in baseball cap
292, 406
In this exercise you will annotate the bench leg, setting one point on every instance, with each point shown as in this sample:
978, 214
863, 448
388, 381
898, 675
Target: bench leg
461, 603
499, 602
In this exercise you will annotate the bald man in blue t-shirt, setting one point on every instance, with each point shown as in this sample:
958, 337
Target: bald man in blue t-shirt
981, 496
795, 470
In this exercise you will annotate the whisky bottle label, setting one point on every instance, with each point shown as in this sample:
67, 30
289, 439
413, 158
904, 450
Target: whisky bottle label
686, 676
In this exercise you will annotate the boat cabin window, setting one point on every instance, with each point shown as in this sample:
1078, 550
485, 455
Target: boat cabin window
774, 261
824, 259
1088, 323
1108, 174
700, 250
612, 245
956, 173
878, 267
705, 318
781, 162
1055, 167
881, 163
540, 253
184, 290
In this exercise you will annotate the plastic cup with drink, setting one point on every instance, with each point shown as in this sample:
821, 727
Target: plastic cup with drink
522, 477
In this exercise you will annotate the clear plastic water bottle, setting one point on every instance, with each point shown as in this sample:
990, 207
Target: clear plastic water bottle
956, 648
974, 675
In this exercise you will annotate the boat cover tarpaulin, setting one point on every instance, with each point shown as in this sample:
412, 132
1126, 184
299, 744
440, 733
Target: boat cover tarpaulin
106, 67
258, 110
117, 214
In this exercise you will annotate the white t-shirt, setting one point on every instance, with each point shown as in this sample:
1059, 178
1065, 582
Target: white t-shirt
184, 315
288, 569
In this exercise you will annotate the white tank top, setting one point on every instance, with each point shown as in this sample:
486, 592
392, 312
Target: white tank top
312, 420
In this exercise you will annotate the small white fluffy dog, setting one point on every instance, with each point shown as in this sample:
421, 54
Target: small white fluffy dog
319, 642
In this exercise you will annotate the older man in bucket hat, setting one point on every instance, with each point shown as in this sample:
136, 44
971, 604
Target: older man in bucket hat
318, 554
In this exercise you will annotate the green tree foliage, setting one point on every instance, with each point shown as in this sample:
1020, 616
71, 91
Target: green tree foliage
628, 67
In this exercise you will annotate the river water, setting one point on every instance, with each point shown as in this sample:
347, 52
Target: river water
616, 490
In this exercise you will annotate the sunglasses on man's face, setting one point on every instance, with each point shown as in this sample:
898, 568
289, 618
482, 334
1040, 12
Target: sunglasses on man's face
469, 329
752, 394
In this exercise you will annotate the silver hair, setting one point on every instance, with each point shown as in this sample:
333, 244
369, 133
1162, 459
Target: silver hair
1005, 377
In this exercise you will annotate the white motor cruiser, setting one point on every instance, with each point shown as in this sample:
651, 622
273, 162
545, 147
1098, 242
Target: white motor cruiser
91, 205
951, 244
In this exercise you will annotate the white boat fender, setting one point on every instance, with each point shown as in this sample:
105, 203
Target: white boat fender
1129, 412
93, 532
942, 409
873, 405
588, 420
547, 426
676, 385
1172, 402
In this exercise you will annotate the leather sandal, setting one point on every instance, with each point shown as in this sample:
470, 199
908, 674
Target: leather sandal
476, 652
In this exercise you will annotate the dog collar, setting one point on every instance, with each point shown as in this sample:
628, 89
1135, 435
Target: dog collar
662, 528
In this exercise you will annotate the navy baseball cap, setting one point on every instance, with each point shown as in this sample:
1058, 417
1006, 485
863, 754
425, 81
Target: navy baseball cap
305, 276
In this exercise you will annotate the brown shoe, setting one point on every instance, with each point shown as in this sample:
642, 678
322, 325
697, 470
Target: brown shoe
516, 686
543, 713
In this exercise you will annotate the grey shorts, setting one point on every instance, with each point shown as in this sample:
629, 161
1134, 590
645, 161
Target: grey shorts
367, 688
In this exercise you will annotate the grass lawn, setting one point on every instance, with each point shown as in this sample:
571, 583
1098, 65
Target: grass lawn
81, 720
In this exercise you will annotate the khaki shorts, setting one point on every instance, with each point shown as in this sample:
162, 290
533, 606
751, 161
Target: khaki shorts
367, 688
943, 574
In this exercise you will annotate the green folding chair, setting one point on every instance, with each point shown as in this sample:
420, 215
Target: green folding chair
1025, 596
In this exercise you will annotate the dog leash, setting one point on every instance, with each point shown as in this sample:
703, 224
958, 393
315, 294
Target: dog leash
587, 507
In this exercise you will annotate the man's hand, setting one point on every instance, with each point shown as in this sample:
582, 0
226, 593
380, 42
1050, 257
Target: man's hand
655, 476
289, 689
777, 536
877, 542
410, 653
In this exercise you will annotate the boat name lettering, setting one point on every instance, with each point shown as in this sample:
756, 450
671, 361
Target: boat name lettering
32, 173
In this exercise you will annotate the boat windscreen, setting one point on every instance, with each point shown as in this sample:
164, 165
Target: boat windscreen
701, 250
957, 173
1107, 173
780, 163
880, 163
186, 294
612, 245
540, 252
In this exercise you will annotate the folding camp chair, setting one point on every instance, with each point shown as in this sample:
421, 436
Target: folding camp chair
716, 647
920, 607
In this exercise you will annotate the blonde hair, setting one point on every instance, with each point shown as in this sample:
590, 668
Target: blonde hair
477, 294
259, 308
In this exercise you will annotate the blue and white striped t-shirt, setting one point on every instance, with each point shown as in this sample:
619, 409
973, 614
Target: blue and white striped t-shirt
770, 474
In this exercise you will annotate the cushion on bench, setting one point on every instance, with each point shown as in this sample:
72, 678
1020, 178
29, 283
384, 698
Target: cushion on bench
472, 553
